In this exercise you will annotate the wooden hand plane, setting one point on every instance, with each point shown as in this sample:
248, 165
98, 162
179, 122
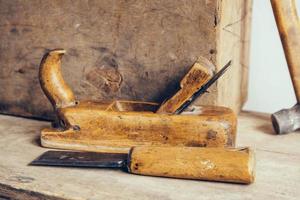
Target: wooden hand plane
118, 125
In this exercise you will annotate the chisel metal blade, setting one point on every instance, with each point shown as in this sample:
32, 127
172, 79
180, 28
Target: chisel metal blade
81, 159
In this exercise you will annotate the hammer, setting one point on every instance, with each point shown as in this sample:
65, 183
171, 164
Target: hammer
288, 120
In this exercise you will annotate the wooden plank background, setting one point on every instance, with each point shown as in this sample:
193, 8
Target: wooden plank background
134, 50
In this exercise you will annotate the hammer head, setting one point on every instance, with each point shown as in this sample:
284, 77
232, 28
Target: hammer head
286, 120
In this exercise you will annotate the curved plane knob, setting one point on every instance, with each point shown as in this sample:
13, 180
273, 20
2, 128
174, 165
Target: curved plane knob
58, 92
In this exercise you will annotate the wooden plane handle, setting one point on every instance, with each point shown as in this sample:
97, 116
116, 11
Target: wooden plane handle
214, 164
197, 76
289, 28
58, 92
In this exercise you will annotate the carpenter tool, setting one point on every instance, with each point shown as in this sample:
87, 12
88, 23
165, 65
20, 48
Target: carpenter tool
202, 90
288, 120
184, 98
118, 125
214, 164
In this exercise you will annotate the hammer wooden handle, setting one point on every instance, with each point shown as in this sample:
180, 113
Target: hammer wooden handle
289, 28
215, 164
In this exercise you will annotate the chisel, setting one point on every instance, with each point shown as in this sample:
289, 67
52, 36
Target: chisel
214, 164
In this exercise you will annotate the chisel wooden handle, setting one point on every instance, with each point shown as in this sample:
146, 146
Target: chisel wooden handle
214, 164
289, 28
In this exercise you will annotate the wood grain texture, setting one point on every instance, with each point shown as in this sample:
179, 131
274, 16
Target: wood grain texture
277, 169
288, 25
233, 44
87, 126
133, 50
214, 164
245, 48
128, 106
196, 77
52, 82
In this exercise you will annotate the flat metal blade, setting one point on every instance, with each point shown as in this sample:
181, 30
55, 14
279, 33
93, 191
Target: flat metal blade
81, 159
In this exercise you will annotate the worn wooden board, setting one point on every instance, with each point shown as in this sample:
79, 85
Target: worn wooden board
233, 43
134, 50
277, 170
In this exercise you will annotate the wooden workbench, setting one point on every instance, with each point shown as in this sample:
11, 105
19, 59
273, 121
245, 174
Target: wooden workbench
277, 172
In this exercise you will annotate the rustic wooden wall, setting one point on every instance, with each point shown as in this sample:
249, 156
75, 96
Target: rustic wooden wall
136, 50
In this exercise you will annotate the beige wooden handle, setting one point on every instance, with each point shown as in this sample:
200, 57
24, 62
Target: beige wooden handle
215, 164
58, 92
289, 28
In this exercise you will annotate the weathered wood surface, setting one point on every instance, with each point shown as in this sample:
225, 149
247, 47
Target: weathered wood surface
277, 169
233, 43
235, 165
87, 126
133, 50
